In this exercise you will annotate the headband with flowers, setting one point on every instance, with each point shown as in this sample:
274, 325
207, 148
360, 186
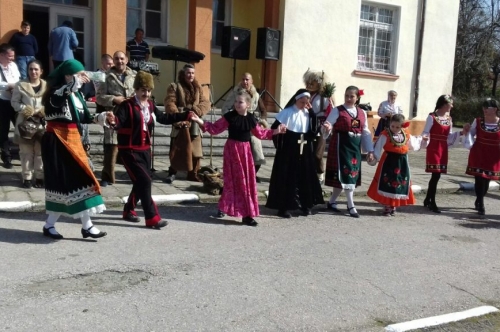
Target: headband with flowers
448, 99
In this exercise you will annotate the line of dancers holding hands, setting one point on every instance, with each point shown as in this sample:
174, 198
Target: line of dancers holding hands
294, 184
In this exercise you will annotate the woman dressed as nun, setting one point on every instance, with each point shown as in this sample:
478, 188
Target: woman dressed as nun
294, 183
71, 188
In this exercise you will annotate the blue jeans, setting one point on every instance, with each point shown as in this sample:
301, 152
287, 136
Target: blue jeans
22, 63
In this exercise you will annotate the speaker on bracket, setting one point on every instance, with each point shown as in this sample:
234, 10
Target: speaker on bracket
235, 43
268, 44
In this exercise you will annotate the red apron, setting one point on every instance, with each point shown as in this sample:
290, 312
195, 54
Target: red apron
484, 156
436, 159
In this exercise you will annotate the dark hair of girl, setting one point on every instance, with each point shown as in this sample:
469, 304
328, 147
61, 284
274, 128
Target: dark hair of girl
490, 103
356, 91
443, 100
399, 118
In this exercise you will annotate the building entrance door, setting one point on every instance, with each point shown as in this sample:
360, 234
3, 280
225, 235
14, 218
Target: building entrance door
81, 20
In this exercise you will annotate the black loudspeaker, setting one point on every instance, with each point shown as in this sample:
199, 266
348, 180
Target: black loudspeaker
235, 43
268, 44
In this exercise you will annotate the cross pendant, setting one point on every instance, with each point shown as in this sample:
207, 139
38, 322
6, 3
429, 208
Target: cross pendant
301, 142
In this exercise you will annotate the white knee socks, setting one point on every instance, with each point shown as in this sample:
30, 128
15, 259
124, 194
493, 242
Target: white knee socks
350, 200
87, 224
335, 194
51, 221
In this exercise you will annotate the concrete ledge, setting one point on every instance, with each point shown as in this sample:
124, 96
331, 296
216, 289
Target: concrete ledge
470, 185
440, 320
174, 198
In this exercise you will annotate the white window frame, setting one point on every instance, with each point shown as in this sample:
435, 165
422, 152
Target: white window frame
164, 23
228, 14
361, 62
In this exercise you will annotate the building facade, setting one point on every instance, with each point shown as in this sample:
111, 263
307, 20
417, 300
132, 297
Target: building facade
402, 45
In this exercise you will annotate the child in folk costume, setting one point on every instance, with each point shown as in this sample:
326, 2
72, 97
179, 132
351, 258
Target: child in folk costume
133, 121
387, 109
391, 185
294, 183
239, 197
484, 157
343, 165
439, 136
316, 82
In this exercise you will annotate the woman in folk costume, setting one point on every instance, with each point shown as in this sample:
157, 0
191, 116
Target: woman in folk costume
71, 188
294, 184
185, 145
350, 132
484, 157
315, 82
239, 197
134, 121
439, 136
391, 185
387, 109
258, 109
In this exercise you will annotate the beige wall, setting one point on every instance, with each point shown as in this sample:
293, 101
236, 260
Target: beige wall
331, 44
11, 15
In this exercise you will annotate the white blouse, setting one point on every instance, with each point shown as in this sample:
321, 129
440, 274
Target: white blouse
366, 135
414, 143
453, 138
469, 138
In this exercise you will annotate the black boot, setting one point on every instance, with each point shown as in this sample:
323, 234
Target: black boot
434, 208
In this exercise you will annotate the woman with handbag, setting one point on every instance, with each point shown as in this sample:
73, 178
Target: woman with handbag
27, 102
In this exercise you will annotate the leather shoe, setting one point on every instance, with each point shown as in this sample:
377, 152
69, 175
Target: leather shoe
131, 217
7, 164
104, 183
56, 236
353, 214
433, 207
170, 179
332, 207
481, 211
86, 233
39, 183
258, 180
220, 214
249, 221
306, 212
284, 214
27, 184
160, 224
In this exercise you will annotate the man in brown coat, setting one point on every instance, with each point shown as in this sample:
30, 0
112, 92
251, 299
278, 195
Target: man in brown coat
119, 85
184, 96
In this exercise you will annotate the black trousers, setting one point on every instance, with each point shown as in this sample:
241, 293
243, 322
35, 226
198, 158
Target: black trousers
7, 115
138, 166
481, 186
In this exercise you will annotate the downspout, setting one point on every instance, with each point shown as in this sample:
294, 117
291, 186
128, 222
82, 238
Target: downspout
419, 59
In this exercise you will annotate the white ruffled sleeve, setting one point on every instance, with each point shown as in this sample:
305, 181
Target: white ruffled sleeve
469, 138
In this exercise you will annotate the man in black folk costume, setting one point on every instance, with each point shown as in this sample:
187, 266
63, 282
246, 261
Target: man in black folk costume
294, 183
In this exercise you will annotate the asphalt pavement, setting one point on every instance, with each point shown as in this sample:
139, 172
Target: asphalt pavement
325, 272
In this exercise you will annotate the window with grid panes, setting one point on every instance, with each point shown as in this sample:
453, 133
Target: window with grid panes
376, 39
150, 15
220, 12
